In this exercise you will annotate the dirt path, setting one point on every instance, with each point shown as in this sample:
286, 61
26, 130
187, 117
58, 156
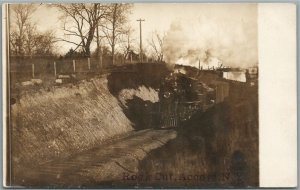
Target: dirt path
99, 165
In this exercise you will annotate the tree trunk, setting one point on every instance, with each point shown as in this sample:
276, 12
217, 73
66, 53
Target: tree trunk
89, 40
99, 50
114, 33
113, 54
100, 57
87, 51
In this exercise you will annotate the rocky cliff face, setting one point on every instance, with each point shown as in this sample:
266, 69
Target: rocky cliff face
58, 122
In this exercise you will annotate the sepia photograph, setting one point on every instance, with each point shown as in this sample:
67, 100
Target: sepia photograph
132, 95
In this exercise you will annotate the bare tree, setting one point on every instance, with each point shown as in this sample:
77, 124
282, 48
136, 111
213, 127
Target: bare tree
115, 25
99, 39
80, 21
156, 44
30, 39
45, 43
14, 41
21, 21
25, 39
127, 42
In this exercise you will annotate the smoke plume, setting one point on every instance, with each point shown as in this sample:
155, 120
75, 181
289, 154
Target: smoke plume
214, 40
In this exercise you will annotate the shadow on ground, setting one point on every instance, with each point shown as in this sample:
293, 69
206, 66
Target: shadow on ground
217, 148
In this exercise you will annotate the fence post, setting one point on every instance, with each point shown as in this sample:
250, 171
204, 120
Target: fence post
89, 63
54, 64
32, 66
74, 66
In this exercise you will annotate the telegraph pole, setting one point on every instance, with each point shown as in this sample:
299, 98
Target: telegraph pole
141, 47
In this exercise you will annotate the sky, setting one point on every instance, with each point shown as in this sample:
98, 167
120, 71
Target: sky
211, 33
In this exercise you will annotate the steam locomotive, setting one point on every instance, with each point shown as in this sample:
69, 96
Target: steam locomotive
181, 96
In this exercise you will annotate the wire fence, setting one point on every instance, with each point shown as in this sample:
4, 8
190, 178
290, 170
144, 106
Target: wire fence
48, 69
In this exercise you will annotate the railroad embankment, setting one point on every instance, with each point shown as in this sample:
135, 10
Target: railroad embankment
57, 122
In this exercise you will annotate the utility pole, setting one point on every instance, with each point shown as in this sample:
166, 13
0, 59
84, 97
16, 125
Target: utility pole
141, 47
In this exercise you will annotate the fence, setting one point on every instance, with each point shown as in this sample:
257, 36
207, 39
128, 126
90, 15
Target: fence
49, 68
